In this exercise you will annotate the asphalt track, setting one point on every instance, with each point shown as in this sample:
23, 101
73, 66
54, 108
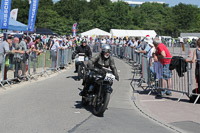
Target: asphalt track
54, 106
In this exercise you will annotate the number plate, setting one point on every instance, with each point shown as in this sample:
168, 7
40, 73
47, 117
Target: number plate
109, 77
81, 58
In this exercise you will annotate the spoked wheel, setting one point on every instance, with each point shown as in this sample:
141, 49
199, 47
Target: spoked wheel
101, 104
81, 72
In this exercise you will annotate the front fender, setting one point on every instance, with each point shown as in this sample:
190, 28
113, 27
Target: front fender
108, 89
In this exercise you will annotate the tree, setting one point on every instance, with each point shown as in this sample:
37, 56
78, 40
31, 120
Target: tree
107, 15
185, 16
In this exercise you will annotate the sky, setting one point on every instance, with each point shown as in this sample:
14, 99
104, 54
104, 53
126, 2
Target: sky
174, 2
170, 2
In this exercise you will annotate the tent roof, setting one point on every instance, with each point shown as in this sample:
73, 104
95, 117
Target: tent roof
133, 33
16, 25
44, 31
96, 31
190, 34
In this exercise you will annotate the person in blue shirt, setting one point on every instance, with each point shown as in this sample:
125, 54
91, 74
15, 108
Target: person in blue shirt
147, 48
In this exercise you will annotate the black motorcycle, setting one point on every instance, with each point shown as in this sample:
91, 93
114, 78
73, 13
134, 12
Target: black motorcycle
81, 66
98, 93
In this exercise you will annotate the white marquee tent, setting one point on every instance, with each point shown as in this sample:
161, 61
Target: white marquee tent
95, 32
132, 33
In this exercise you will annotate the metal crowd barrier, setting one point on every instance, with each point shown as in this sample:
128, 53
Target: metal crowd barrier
132, 56
5, 78
181, 84
35, 65
174, 82
145, 70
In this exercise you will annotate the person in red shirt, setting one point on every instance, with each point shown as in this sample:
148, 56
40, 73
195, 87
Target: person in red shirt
163, 55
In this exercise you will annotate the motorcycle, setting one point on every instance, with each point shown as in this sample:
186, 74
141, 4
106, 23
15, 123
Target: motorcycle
98, 93
81, 67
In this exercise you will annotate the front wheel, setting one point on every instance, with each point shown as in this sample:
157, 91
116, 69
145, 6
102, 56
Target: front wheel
80, 72
101, 104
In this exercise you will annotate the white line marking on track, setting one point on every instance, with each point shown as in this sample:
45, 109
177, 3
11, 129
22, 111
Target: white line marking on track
77, 112
152, 100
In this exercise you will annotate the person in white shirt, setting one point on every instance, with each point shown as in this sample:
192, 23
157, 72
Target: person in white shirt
103, 41
54, 49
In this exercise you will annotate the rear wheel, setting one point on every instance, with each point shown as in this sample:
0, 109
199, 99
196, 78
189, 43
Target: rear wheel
101, 104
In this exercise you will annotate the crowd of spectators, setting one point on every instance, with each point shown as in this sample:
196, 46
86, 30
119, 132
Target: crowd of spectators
19, 49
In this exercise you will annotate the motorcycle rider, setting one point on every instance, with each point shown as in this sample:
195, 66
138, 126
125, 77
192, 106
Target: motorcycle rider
98, 61
83, 48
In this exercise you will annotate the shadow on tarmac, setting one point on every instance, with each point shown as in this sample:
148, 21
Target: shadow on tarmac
73, 77
145, 92
78, 105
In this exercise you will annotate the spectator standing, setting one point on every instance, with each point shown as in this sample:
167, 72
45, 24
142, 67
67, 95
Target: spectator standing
11, 55
196, 58
147, 49
17, 57
108, 41
23, 47
56, 46
161, 53
34, 52
103, 41
117, 41
70, 43
4, 49
49, 43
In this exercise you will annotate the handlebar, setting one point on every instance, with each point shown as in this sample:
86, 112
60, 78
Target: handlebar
103, 70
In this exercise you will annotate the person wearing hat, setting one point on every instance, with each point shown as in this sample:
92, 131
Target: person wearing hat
147, 49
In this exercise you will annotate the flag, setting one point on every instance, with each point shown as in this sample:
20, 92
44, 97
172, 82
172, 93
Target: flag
13, 14
74, 29
5, 13
32, 14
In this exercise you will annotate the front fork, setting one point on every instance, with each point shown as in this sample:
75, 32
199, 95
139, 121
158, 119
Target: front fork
108, 89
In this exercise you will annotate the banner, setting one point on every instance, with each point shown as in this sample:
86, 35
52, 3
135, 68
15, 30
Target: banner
5, 13
32, 14
13, 14
74, 30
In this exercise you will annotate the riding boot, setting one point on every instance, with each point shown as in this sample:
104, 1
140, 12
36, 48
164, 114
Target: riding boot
84, 91
76, 68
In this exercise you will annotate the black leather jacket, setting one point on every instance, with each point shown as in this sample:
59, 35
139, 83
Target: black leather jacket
82, 49
98, 61
179, 64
